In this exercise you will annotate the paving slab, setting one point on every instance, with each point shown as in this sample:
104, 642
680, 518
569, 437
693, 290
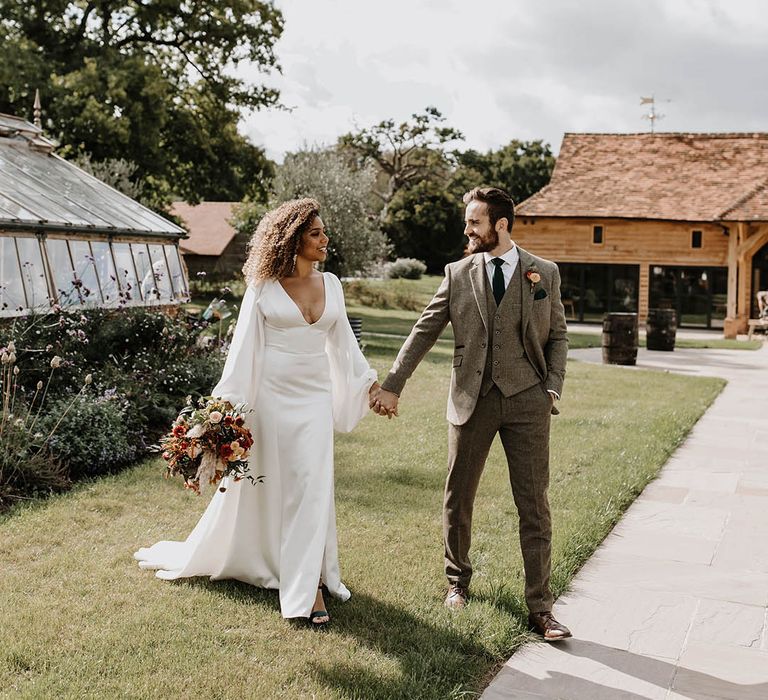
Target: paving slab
674, 603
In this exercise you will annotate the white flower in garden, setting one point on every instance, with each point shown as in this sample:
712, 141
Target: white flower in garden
12, 358
55, 362
215, 417
88, 378
11, 347
39, 385
15, 371
5, 358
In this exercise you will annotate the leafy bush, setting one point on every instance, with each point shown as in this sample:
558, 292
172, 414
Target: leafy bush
147, 356
95, 435
99, 386
27, 467
406, 268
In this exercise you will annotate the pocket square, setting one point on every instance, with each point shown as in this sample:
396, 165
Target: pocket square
540, 294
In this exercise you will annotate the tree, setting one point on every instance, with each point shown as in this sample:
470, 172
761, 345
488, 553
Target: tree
521, 168
148, 82
356, 242
405, 153
425, 222
117, 173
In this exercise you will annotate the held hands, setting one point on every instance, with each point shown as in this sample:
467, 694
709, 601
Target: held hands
382, 402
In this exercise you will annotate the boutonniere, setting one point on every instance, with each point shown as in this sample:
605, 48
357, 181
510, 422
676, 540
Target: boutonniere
534, 277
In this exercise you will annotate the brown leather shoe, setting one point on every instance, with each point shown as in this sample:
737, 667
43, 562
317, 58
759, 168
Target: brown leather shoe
456, 597
545, 624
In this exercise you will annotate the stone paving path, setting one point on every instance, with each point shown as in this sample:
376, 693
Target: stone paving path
674, 603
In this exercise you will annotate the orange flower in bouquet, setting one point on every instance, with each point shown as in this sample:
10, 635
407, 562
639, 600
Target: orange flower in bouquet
208, 442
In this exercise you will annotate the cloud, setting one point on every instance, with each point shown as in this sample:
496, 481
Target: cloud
504, 69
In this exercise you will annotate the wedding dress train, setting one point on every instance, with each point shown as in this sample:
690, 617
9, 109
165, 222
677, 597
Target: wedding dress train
302, 380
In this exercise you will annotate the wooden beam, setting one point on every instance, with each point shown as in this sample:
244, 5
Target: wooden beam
733, 274
742, 307
752, 242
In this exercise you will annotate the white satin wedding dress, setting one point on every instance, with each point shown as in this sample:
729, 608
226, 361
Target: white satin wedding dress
302, 380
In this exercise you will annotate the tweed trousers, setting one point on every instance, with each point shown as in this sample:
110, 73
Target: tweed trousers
522, 422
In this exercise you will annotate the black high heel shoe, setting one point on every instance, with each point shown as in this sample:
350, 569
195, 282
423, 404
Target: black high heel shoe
319, 613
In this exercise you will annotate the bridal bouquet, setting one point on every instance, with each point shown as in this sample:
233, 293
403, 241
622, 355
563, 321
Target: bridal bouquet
208, 442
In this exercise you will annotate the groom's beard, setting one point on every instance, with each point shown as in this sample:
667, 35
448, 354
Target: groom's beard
483, 245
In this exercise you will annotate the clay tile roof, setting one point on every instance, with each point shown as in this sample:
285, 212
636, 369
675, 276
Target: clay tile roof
675, 176
208, 223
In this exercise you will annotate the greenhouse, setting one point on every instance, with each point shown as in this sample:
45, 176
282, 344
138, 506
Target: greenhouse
68, 239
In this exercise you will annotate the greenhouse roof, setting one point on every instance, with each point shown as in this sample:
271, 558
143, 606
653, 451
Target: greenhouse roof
39, 191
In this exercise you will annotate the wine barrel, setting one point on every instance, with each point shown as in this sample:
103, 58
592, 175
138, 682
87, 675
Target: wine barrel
357, 327
620, 339
661, 329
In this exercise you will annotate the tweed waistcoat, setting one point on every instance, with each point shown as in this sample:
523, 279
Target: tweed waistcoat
506, 363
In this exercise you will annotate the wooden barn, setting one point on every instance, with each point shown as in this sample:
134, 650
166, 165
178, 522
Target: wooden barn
213, 246
669, 220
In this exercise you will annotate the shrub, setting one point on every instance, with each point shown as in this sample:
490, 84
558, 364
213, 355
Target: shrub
27, 467
406, 268
100, 385
150, 358
95, 435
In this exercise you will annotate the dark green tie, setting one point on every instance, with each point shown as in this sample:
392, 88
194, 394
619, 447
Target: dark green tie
498, 281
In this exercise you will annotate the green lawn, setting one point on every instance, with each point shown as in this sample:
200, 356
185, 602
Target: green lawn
79, 619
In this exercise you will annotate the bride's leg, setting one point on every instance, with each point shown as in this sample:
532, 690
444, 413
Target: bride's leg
319, 605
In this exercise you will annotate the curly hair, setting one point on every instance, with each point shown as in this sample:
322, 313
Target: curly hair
277, 239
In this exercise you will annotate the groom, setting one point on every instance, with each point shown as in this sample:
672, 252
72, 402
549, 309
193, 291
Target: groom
508, 369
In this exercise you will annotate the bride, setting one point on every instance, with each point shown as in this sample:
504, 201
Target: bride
294, 361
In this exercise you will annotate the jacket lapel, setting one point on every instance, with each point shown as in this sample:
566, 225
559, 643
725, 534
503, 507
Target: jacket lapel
477, 278
526, 263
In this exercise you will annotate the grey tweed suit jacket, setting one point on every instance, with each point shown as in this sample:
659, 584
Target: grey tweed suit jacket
461, 300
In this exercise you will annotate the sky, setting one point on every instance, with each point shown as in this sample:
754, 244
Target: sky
515, 69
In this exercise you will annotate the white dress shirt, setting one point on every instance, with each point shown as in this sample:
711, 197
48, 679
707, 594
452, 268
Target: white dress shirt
510, 258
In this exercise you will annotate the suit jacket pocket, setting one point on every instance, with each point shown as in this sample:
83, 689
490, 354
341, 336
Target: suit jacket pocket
457, 360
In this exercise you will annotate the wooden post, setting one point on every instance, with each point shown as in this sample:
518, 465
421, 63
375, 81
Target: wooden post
731, 321
643, 294
742, 307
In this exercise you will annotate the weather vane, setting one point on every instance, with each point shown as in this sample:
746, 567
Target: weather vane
652, 114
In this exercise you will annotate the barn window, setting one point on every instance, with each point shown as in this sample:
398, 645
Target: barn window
695, 239
597, 235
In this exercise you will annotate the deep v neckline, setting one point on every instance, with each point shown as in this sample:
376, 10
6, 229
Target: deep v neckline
296, 306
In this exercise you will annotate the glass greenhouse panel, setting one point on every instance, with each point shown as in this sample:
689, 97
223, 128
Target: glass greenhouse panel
147, 284
180, 290
105, 269
160, 268
33, 274
85, 271
126, 273
11, 289
67, 290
